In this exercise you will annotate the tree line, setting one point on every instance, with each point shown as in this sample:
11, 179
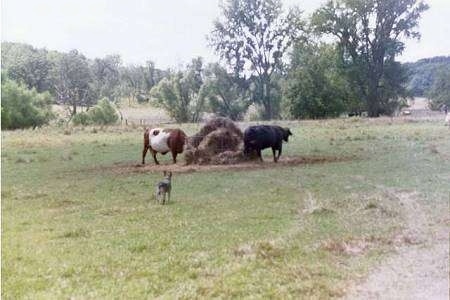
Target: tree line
341, 59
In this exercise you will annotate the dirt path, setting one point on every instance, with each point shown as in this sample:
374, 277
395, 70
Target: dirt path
418, 270
285, 161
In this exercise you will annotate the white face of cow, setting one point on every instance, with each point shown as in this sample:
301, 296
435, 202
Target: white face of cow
158, 139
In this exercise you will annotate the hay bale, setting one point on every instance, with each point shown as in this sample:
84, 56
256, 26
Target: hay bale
228, 158
219, 141
212, 125
189, 156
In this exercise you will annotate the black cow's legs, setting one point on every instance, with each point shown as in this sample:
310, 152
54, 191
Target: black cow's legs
259, 155
274, 154
276, 157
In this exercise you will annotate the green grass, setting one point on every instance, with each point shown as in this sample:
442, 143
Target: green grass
73, 227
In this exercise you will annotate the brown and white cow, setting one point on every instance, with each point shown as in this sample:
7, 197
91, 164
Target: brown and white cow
163, 140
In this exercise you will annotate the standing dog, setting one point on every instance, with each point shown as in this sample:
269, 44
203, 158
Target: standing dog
164, 187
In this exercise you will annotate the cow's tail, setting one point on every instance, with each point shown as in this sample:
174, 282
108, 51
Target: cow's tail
146, 138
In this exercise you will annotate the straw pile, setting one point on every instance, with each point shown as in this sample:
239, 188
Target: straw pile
218, 142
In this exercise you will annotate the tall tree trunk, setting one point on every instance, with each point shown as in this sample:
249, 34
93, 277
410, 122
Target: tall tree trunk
372, 104
267, 101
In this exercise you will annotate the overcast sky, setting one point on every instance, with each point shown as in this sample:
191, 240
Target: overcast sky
169, 32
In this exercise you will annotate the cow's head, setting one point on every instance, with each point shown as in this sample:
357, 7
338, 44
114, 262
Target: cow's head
249, 148
286, 133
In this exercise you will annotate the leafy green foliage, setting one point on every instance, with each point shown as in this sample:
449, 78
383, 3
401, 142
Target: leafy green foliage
81, 118
226, 95
103, 113
179, 94
137, 81
252, 38
106, 77
22, 107
369, 34
423, 72
73, 80
27, 65
439, 93
315, 87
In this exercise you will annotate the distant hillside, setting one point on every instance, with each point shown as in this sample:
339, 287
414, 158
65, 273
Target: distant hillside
422, 72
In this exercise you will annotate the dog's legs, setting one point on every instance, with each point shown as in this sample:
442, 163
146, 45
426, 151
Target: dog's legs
168, 197
279, 152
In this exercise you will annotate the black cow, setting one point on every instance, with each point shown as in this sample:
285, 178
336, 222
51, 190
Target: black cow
257, 138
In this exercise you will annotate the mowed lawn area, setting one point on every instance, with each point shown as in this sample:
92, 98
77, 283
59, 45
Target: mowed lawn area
76, 224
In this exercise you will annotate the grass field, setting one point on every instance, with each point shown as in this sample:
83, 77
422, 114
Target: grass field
76, 225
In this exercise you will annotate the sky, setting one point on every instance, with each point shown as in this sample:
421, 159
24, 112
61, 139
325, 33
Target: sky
168, 32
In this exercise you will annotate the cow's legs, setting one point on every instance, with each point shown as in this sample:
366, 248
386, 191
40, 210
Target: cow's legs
174, 157
144, 153
274, 154
154, 156
279, 152
259, 155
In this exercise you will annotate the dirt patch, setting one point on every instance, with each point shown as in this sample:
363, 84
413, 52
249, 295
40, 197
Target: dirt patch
286, 161
352, 246
419, 268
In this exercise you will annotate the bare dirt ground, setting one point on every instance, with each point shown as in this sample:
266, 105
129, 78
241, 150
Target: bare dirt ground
419, 268
286, 161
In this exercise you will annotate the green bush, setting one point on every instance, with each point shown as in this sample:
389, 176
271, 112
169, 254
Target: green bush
439, 93
101, 114
24, 108
81, 118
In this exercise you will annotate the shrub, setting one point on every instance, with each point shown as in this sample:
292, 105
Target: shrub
439, 93
101, 114
24, 108
81, 118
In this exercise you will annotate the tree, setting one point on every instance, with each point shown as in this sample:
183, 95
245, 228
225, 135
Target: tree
72, 81
179, 93
27, 65
439, 92
421, 74
24, 108
137, 81
252, 38
315, 87
370, 34
225, 94
106, 77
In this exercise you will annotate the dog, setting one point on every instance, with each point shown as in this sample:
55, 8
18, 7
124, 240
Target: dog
164, 187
